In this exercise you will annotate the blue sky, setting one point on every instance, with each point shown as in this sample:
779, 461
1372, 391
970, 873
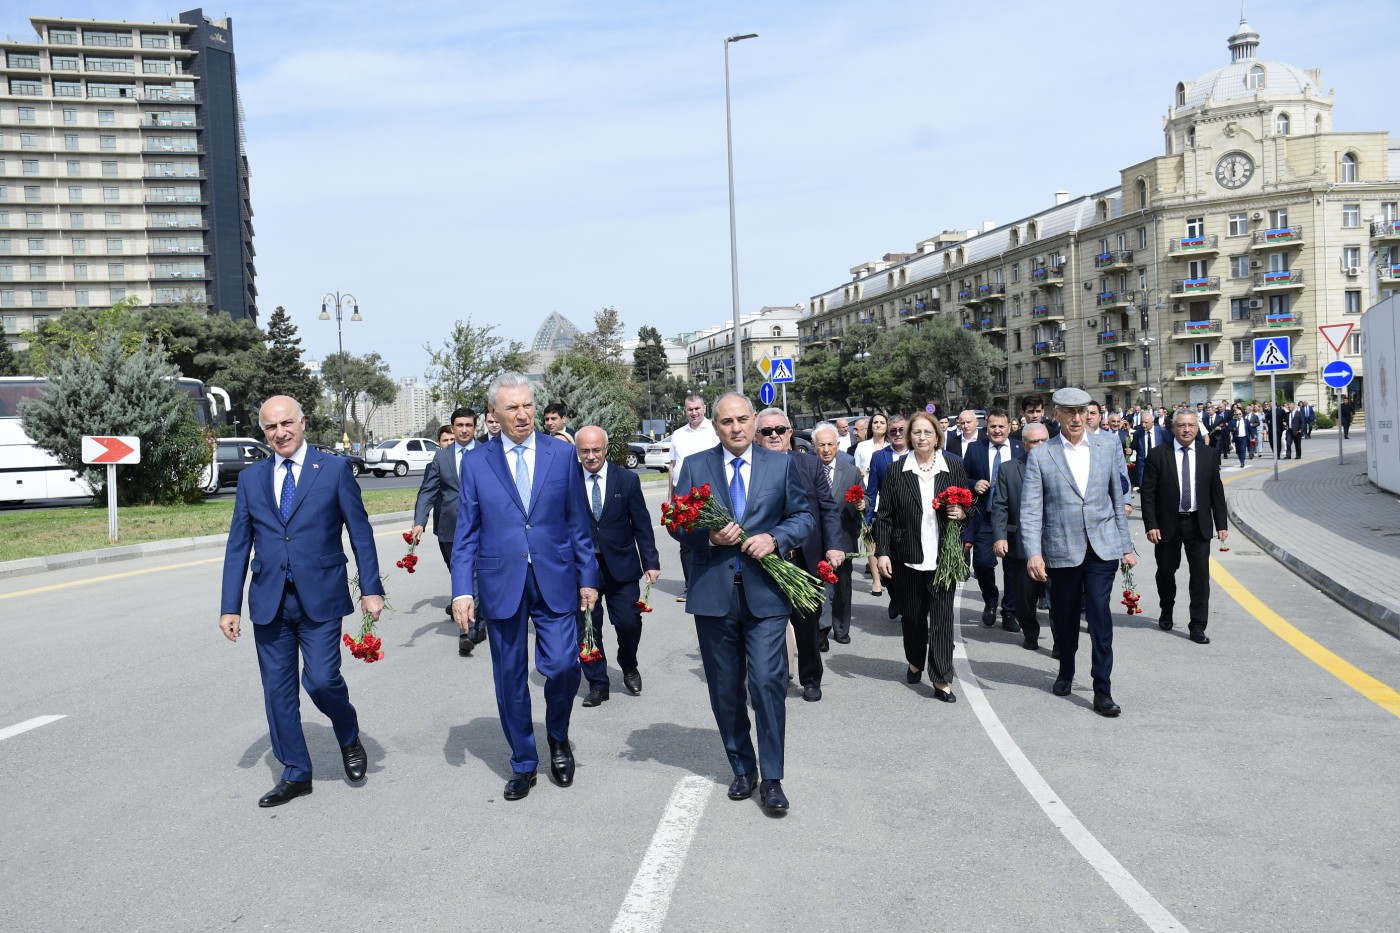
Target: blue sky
443, 160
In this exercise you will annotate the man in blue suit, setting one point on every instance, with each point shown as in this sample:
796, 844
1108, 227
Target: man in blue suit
439, 495
740, 612
626, 549
522, 530
982, 463
291, 508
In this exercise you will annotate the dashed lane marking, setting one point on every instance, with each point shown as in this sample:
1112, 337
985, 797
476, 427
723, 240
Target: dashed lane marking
10, 732
648, 900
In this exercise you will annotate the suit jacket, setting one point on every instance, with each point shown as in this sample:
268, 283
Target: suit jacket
495, 533
1060, 525
439, 493
826, 527
1161, 491
776, 505
1297, 421
623, 539
847, 515
1160, 436
901, 513
1004, 509
879, 463
975, 468
954, 443
308, 544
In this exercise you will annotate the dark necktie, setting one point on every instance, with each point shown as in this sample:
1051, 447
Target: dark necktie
461, 465
996, 461
1185, 480
597, 497
289, 492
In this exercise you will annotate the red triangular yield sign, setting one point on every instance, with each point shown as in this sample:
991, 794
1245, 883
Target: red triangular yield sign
1335, 334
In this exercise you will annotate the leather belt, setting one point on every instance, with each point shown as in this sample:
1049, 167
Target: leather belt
1184, 514
739, 579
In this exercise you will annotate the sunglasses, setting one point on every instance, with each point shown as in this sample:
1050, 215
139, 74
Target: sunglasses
779, 430
896, 430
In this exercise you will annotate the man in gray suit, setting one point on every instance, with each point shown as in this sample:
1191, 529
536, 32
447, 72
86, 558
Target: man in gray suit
841, 476
741, 614
1075, 534
1004, 517
439, 495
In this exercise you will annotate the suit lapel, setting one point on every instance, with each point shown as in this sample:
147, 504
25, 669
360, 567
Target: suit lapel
310, 472
1057, 456
758, 470
544, 454
504, 474
269, 474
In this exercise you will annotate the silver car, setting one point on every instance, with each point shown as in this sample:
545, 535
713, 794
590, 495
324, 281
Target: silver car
659, 454
401, 456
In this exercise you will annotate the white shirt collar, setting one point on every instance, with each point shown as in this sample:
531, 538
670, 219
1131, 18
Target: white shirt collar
1083, 442
299, 458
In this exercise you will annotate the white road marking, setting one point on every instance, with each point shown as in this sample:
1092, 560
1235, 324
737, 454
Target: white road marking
1142, 903
644, 909
10, 732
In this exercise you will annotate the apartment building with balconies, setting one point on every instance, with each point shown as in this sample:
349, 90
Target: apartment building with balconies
770, 331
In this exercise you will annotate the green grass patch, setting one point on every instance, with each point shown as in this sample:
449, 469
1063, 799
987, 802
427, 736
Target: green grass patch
42, 532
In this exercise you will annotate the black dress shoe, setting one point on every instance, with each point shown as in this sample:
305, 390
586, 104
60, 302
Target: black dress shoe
823, 644
912, 677
770, 794
989, 616
561, 762
742, 787
1055, 652
842, 639
944, 696
1061, 688
893, 611
1104, 705
1199, 637
1010, 624
285, 792
465, 644
1031, 644
1165, 623
632, 680
355, 760
595, 697
478, 634
812, 693
518, 787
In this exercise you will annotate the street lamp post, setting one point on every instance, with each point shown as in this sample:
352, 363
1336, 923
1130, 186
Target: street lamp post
733, 238
340, 301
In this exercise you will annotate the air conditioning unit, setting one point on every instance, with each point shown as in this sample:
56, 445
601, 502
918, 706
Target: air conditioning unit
1178, 306
1256, 264
1256, 302
1258, 215
1092, 322
1352, 271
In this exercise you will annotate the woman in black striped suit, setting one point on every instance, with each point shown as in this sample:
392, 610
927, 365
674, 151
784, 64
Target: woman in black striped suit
907, 534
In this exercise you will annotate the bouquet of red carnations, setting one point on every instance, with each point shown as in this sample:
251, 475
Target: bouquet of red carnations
644, 604
588, 649
1130, 592
856, 496
952, 557
410, 560
699, 510
367, 647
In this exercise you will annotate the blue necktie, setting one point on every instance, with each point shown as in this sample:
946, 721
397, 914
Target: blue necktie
289, 492
597, 497
996, 462
461, 465
522, 476
737, 496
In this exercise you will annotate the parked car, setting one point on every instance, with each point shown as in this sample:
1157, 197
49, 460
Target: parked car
637, 450
357, 463
400, 456
658, 454
233, 455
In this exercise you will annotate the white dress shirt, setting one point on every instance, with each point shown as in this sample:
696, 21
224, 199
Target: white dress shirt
1077, 458
1188, 494
928, 527
687, 440
279, 473
602, 482
745, 473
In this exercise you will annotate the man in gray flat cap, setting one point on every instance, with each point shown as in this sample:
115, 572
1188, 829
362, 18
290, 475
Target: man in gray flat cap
1075, 534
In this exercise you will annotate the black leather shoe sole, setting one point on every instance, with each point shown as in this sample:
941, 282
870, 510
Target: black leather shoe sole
770, 794
944, 696
519, 786
1200, 638
1061, 688
285, 792
465, 645
595, 697
742, 787
356, 761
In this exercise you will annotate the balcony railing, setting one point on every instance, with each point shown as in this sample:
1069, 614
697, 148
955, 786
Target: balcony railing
1047, 312
1201, 370
1277, 320
1189, 287
1115, 338
1041, 382
1113, 260
1193, 245
1048, 275
1278, 237
1000, 388
1390, 273
991, 290
1117, 376
1279, 278
1201, 329
994, 323
1113, 299
1049, 348
1386, 229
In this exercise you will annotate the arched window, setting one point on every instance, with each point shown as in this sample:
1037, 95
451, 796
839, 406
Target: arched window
1349, 168
1015, 237
1180, 94
1190, 137
1103, 210
962, 256
1281, 124
889, 280
1032, 232
1142, 194
1317, 124
1255, 80
778, 331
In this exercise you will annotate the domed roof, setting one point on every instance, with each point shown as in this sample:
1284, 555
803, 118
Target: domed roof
1234, 81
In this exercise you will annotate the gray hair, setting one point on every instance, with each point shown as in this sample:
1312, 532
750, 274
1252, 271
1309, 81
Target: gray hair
744, 398
824, 426
1037, 427
301, 415
508, 380
1183, 411
774, 413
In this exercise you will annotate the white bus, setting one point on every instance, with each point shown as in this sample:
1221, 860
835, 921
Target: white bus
28, 472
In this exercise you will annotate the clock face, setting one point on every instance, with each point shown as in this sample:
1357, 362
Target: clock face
1234, 170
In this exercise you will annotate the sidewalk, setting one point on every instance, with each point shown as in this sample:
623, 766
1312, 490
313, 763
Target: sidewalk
1327, 523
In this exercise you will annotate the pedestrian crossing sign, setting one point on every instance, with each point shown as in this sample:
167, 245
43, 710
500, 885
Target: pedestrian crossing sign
782, 370
1272, 354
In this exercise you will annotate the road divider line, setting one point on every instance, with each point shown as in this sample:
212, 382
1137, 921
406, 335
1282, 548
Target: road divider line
648, 900
53, 587
10, 732
1363, 683
1138, 899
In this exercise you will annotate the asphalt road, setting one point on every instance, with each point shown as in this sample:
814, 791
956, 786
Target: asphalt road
1244, 788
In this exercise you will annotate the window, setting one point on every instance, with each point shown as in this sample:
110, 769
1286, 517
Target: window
1351, 256
75, 168
1351, 215
1241, 351
32, 193
1353, 301
26, 114
1196, 226
1281, 124
33, 219
156, 67
107, 143
80, 270
63, 36
63, 62
1388, 210
109, 169
70, 116
39, 298
1239, 267
80, 297
26, 87
67, 88
1278, 218
1016, 274
70, 142
114, 244
1191, 137
38, 271
111, 65
113, 218
115, 295
1239, 309
1239, 223
1200, 352
1198, 269
28, 141
7, 272
80, 244
110, 39
1141, 194
1255, 79
116, 270
75, 193
36, 244
149, 41
1142, 238
1180, 94
31, 166
111, 194
7, 297
1278, 304
1354, 343
1349, 169
77, 220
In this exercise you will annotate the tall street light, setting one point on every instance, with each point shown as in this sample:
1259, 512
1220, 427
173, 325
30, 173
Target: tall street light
340, 301
733, 238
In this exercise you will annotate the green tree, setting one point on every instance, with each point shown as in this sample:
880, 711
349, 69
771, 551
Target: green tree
117, 390
9, 360
356, 380
594, 393
459, 372
821, 379
603, 344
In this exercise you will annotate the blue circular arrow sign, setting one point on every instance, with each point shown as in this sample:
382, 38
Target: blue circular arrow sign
766, 393
1337, 374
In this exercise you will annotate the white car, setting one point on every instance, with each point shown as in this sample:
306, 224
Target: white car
401, 456
659, 454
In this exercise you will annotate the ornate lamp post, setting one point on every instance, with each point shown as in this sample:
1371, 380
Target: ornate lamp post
733, 239
339, 300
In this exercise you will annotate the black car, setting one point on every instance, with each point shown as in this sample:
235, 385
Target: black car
233, 455
357, 463
637, 450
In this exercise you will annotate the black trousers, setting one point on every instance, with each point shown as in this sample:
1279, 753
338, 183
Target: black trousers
1086, 588
984, 568
1186, 537
1295, 445
927, 623
806, 632
1027, 592
841, 600
621, 600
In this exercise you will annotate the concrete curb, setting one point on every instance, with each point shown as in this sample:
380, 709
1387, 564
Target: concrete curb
33, 565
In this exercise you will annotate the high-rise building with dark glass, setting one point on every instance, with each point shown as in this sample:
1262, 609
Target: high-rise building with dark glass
123, 170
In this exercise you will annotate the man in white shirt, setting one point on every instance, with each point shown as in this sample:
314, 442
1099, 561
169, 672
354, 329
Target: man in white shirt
697, 435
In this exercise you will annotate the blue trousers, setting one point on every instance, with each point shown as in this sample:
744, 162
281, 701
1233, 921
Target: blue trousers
1087, 587
737, 648
556, 658
278, 642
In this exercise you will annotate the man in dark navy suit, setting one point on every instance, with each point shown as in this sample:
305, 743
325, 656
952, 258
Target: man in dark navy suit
626, 549
439, 495
982, 463
292, 507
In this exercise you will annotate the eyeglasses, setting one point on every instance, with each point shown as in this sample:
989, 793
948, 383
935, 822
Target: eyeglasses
779, 430
896, 430
923, 433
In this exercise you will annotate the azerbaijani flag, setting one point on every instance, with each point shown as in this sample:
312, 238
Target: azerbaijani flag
1279, 318
1282, 233
1192, 242
1195, 285
1198, 367
1278, 275
1197, 327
